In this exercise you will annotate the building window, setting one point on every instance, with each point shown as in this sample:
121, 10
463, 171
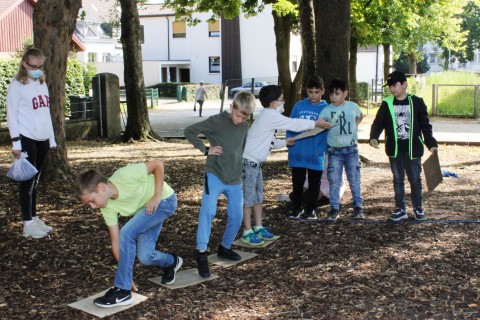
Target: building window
432, 59
214, 28
294, 64
214, 64
91, 57
106, 57
179, 29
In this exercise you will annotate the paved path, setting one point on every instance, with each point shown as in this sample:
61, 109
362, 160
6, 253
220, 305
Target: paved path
171, 117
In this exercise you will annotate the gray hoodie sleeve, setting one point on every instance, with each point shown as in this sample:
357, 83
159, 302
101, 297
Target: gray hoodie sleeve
192, 131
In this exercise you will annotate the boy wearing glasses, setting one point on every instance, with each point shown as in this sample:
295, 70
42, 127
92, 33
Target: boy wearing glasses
261, 139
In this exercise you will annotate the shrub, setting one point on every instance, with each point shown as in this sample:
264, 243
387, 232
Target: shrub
8, 69
169, 90
362, 90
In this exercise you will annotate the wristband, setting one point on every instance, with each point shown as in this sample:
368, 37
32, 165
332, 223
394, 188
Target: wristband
16, 139
206, 151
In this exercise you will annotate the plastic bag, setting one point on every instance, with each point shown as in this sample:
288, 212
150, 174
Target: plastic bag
21, 169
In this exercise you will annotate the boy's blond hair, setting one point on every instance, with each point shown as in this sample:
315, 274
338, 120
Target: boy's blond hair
244, 102
87, 182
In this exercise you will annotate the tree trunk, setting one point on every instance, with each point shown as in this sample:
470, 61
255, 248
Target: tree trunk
352, 68
307, 33
332, 26
53, 25
387, 52
138, 124
291, 90
412, 63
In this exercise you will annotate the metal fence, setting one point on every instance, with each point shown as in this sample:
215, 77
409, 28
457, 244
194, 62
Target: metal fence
455, 100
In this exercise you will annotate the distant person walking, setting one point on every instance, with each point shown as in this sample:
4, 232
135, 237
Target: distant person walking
200, 95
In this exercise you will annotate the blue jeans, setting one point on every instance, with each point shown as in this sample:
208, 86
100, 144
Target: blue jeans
138, 237
399, 165
337, 159
213, 187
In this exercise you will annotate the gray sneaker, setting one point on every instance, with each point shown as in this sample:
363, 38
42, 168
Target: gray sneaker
33, 230
333, 215
358, 213
41, 224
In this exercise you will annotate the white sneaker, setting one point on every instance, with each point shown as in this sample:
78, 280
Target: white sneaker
33, 230
41, 224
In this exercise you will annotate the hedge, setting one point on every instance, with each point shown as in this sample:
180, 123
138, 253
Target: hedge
169, 90
74, 81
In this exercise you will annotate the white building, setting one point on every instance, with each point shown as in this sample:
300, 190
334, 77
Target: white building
211, 51
436, 62
90, 29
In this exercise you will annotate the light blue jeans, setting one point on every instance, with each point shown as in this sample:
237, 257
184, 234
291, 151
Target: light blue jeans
337, 159
212, 189
252, 182
138, 237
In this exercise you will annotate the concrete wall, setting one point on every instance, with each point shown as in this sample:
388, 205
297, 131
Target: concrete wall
366, 61
74, 129
151, 71
257, 40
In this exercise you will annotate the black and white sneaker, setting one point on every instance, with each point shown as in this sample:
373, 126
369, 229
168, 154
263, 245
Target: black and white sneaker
115, 297
297, 213
169, 273
310, 214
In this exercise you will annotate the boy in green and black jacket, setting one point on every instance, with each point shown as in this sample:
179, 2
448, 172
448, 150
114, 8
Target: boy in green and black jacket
404, 118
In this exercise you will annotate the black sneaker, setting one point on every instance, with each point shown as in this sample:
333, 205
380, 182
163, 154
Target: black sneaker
114, 297
227, 253
358, 213
310, 214
333, 215
202, 264
297, 213
169, 273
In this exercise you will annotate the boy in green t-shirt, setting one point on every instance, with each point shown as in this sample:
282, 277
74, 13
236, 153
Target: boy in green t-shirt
140, 192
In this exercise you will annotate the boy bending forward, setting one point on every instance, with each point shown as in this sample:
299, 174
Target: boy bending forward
137, 191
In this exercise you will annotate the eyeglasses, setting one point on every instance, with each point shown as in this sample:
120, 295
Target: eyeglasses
34, 67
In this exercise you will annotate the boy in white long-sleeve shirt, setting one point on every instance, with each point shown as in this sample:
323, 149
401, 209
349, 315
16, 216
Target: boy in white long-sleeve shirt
261, 139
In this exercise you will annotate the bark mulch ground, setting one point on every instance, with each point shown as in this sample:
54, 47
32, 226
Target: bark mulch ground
342, 270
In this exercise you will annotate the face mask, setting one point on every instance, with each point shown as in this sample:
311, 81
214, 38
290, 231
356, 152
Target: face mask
35, 74
280, 109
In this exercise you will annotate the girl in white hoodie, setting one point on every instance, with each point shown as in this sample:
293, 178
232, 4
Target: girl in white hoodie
31, 131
